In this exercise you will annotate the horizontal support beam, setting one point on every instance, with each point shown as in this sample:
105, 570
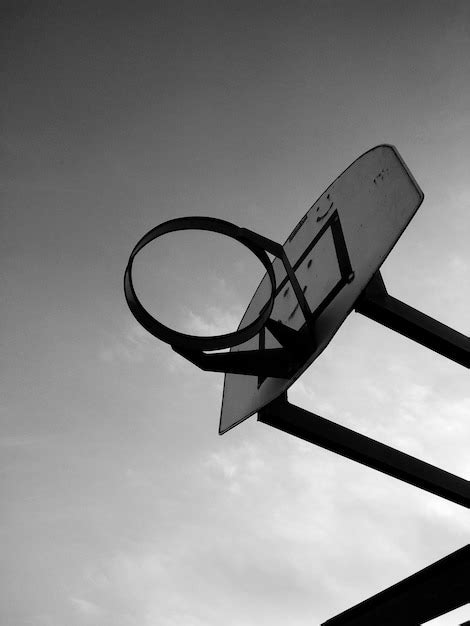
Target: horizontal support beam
433, 591
320, 431
376, 304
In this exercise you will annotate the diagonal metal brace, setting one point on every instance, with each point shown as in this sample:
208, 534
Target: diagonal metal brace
298, 343
376, 304
275, 362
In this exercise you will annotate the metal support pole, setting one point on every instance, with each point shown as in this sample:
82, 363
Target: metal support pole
433, 591
376, 304
320, 431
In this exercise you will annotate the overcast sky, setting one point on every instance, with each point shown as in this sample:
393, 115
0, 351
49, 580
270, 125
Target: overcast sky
122, 506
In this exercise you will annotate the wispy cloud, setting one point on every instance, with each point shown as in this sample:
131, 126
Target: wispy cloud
87, 609
132, 345
459, 265
214, 321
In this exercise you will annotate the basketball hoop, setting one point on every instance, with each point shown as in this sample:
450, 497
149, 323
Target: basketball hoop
195, 342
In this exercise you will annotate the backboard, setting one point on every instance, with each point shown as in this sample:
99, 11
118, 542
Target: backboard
334, 251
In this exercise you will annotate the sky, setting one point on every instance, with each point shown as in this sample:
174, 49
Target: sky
122, 506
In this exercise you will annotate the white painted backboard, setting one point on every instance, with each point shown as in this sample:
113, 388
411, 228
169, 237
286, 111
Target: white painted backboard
375, 199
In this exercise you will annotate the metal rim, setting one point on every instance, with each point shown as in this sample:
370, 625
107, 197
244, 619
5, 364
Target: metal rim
195, 342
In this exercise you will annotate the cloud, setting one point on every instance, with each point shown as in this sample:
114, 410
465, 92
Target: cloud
86, 608
238, 467
132, 346
458, 266
135, 344
214, 321
269, 524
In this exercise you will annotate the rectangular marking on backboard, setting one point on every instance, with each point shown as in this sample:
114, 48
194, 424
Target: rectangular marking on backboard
321, 271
